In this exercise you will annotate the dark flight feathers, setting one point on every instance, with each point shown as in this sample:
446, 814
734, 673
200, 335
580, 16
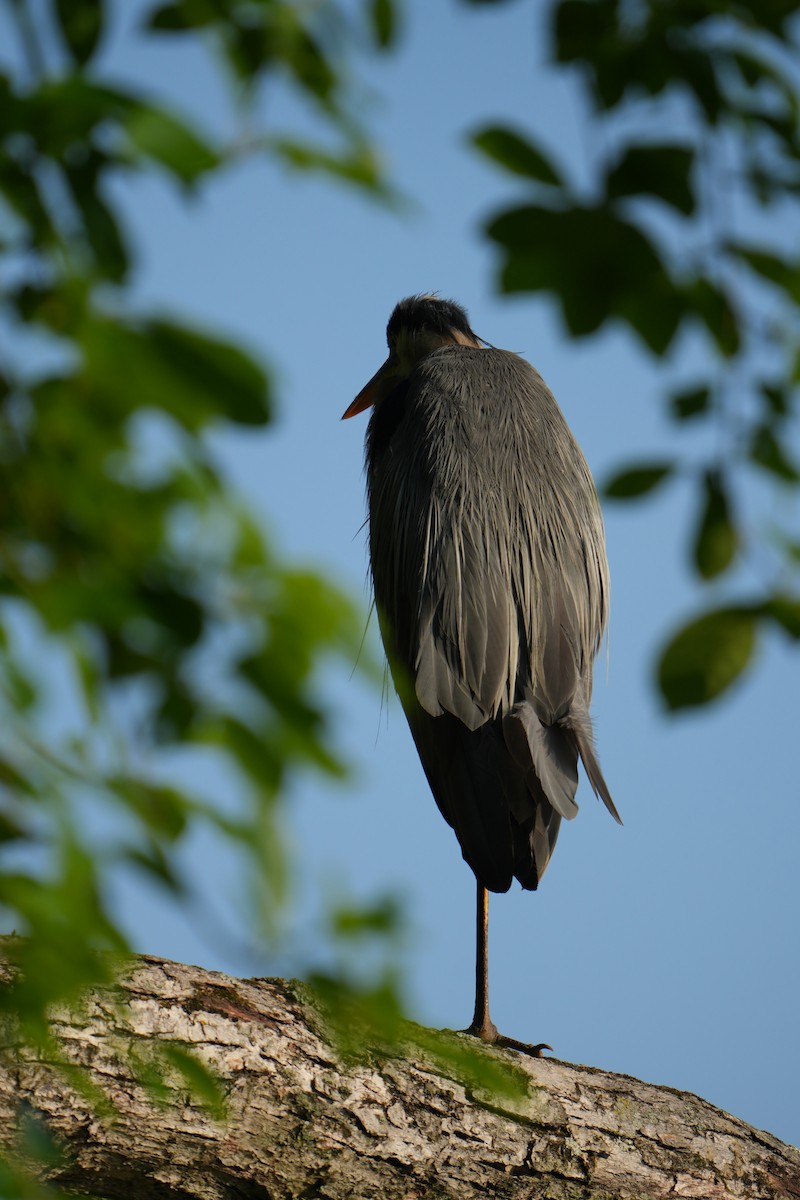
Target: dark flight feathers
490, 575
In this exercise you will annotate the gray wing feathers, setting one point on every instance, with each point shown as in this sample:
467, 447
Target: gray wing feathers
546, 753
489, 565
580, 724
467, 647
480, 791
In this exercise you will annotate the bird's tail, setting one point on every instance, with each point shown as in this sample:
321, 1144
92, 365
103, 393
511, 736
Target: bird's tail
552, 751
580, 726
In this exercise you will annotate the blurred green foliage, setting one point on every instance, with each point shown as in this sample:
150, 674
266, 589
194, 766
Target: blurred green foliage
136, 586
650, 244
145, 592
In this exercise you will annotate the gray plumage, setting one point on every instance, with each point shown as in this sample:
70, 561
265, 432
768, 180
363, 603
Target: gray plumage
491, 584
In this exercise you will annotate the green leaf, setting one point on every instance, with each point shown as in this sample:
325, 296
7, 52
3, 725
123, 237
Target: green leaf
768, 452
583, 28
690, 403
596, 263
662, 171
167, 140
785, 612
10, 117
779, 131
156, 864
777, 397
22, 690
204, 1084
253, 754
716, 539
637, 481
516, 154
100, 226
383, 16
705, 657
217, 371
359, 1019
773, 267
21, 1183
759, 71
161, 364
65, 925
67, 112
37, 1140
711, 304
182, 15
307, 61
357, 164
12, 778
11, 830
23, 195
81, 23
382, 917
693, 65
162, 811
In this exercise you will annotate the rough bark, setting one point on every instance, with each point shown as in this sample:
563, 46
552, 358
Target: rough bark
300, 1124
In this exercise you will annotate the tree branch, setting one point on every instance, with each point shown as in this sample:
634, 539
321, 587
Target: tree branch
302, 1125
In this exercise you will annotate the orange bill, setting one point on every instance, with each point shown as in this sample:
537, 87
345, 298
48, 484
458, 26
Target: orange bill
369, 393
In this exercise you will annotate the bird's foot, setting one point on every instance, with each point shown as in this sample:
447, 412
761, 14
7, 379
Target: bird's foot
487, 1031
522, 1047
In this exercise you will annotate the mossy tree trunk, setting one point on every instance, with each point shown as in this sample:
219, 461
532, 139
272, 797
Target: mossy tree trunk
301, 1124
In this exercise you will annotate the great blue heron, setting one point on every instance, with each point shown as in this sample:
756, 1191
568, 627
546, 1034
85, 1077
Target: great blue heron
491, 586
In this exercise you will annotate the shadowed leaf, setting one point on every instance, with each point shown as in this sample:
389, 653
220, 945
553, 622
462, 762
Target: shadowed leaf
777, 398
22, 193
38, 1140
363, 1020
182, 15
12, 778
705, 657
770, 266
81, 23
168, 141
201, 1082
583, 28
636, 481
768, 452
382, 917
164, 811
162, 364
716, 538
596, 263
64, 112
516, 154
664, 172
785, 612
355, 165
690, 403
383, 14
11, 830
100, 225
712, 305
155, 863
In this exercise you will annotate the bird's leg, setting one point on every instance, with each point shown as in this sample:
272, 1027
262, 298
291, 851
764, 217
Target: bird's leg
482, 1026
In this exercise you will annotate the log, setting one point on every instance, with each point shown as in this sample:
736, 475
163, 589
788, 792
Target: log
301, 1123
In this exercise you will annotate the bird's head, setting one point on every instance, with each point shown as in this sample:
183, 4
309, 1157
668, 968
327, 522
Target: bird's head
418, 326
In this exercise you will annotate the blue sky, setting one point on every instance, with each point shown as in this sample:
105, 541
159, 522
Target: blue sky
666, 949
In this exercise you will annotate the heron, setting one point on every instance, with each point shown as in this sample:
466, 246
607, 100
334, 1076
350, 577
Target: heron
491, 585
